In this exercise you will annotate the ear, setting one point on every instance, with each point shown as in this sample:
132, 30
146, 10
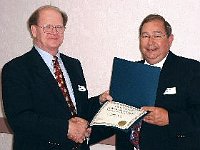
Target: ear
33, 31
171, 38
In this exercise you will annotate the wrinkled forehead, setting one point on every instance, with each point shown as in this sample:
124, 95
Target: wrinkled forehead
153, 26
50, 16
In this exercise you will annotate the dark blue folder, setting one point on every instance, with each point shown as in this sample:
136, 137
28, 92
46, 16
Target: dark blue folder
134, 83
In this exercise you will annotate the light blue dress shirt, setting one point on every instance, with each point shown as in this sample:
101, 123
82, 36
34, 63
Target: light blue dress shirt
48, 60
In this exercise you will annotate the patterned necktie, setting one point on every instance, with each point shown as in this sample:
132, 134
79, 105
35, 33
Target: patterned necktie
135, 134
61, 83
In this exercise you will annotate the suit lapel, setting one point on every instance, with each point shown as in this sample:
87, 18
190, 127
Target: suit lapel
167, 70
41, 69
74, 78
71, 72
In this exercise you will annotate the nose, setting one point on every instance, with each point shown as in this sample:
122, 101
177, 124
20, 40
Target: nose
151, 40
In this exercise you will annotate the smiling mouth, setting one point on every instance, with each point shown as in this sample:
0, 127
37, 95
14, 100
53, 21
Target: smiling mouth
53, 38
154, 49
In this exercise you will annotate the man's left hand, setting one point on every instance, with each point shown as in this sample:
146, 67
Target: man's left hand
105, 96
157, 116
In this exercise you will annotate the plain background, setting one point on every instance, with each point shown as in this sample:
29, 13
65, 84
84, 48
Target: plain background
97, 31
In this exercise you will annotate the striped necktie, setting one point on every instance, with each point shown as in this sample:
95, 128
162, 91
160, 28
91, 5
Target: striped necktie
61, 83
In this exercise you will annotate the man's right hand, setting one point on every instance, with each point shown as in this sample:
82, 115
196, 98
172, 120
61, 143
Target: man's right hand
78, 129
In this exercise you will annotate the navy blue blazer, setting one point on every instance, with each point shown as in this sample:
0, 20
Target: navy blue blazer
34, 105
183, 106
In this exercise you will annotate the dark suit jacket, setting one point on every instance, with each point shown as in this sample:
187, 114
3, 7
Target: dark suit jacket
183, 131
34, 105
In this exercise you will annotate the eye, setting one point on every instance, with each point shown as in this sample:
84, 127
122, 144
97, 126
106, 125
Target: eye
145, 36
59, 27
157, 36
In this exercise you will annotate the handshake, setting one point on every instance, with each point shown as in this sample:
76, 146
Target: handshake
78, 130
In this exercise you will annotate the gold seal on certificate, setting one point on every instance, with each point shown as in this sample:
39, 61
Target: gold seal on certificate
121, 123
118, 115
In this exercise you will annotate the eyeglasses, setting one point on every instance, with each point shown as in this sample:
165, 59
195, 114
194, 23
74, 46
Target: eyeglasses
49, 28
156, 36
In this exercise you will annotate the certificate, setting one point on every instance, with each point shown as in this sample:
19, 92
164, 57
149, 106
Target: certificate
118, 115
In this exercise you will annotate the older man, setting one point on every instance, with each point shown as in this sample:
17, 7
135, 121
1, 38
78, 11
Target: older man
44, 92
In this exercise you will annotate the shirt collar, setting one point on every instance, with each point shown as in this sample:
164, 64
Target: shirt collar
159, 64
46, 56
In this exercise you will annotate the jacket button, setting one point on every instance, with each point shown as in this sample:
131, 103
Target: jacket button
181, 136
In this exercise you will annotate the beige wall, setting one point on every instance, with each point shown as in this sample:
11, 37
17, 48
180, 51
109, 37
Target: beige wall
97, 31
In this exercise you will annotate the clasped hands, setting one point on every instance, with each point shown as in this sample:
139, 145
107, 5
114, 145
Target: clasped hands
78, 130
